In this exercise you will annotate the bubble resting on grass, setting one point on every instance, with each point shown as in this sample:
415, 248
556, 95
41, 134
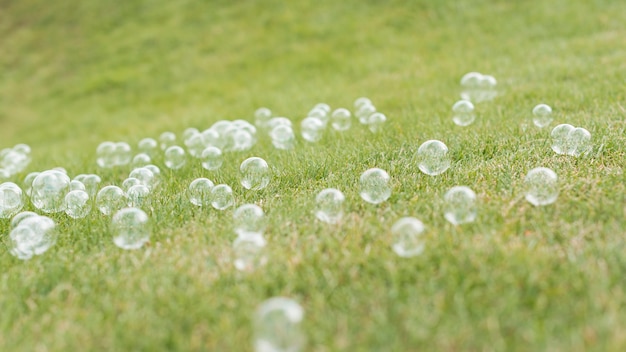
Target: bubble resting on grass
11, 200
174, 157
541, 186
138, 196
110, 199
578, 142
341, 119
33, 235
460, 205
329, 205
212, 158
432, 157
463, 113
222, 197
249, 253
21, 216
277, 326
131, 228
166, 140
199, 192
376, 121
255, 173
374, 186
48, 191
77, 204
542, 115
312, 129
407, 236
249, 220
559, 138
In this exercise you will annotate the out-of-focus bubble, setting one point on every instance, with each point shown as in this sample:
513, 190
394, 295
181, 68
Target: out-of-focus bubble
195, 144
249, 253
559, 138
341, 119
131, 228
145, 176
175, 157
148, 146
329, 205
359, 102
312, 129
541, 186
470, 86
77, 204
542, 115
129, 182
432, 157
188, 132
110, 199
212, 158
14, 160
262, 116
92, 184
77, 185
48, 191
166, 140
222, 197
138, 196
374, 186
212, 138
463, 113
34, 235
4, 174
17, 219
28, 182
199, 192
141, 160
123, 154
249, 220
407, 237
322, 106
241, 140
578, 142
255, 173
277, 326
283, 137
11, 200
460, 205
320, 114
376, 121
105, 154
364, 113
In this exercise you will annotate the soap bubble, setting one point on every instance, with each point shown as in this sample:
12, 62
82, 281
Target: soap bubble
145, 177
364, 113
322, 106
249, 220
432, 157
329, 205
463, 113
262, 116
11, 200
212, 158
4, 174
470, 86
222, 197
407, 237
77, 204
148, 146
277, 326
578, 142
141, 160
487, 88
542, 115
199, 192
105, 154
249, 253
110, 199
320, 114
92, 184
241, 140
14, 160
122, 154
375, 186
559, 138
167, 139
17, 219
255, 173
22, 148
376, 121
138, 196
129, 182
175, 157
341, 119
60, 169
131, 228
28, 182
212, 138
48, 191
312, 129
359, 102
460, 205
195, 144
541, 185
190, 131
77, 185
283, 137
278, 121
34, 235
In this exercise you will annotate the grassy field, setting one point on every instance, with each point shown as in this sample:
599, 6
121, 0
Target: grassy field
74, 74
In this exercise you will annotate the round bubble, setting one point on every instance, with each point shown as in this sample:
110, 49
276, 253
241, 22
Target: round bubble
541, 186
77, 185
123, 154
167, 139
542, 115
141, 160
138, 196
48, 191
249, 253
463, 113
105, 154
359, 102
262, 116
407, 237
460, 205
212, 158
199, 192
559, 138
312, 129
175, 157
11, 200
17, 219
376, 121
131, 228
341, 119
129, 182
277, 326
432, 157
283, 137
320, 114
249, 220
148, 146
77, 204
92, 184
364, 113
578, 142
110, 199
241, 140
255, 173
34, 235
470, 86
374, 186
329, 205
145, 175
28, 182
222, 197
188, 132
195, 144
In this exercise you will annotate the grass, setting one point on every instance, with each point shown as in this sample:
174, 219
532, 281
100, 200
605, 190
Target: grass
73, 74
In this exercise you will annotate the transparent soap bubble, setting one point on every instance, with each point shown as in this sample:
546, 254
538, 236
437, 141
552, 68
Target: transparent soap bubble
212, 158
487, 88
278, 121
141, 160
542, 115
262, 116
277, 326
148, 146
341, 119
92, 184
199, 192
578, 142
255, 173
34, 235
11, 200
131, 228
312, 129
17, 219
212, 138
432, 157
559, 138
77, 185
123, 154
167, 139
110, 199
283, 137
463, 113
195, 144
105, 154
249, 253
60, 169
4, 174
174, 157
249, 220
376, 121
28, 182
470, 86
359, 102
145, 175
241, 140
407, 237
329, 205
222, 197
322, 106
77, 204
320, 114
189, 131
460, 205
364, 113
541, 186
15, 160
138, 196
48, 191
129, 182
374, 186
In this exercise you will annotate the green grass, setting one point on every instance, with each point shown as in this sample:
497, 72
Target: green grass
73, 74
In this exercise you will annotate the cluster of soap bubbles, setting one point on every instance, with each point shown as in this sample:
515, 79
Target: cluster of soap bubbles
477, 87
570, 140
13, 160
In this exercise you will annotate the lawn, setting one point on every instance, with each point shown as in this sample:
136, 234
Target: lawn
74, 74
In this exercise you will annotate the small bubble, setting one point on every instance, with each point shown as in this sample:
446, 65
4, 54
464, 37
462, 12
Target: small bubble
283, 137
262, 116
48, 191
463, 113
578, 142
148, 146
312, 129
541, 186
341, 119
460, 204
167, 139
249, 253
34, 235
376, 121
199, 192
212, 158
175, 157
222, 197
375, 186
559, 138
77, 204
542, 115
432, 157
110, 199
141, 160
277, 326
249, 220
11, 200
255, 173
407, 237
131, 228
329, 205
